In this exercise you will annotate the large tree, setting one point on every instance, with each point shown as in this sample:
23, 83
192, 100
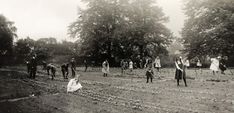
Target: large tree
209, 29
121, 29
7, 34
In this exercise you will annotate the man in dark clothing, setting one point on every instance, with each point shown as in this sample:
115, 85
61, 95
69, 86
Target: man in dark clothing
73, 67
28, 66
33, 67
64, 69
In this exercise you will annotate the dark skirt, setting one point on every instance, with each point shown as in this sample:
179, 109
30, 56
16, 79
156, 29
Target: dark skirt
179, 73
222, 67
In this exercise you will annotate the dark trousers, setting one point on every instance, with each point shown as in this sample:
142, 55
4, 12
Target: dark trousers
149, 77
53, 73
28, 69
33, 73
73, 72
65, 74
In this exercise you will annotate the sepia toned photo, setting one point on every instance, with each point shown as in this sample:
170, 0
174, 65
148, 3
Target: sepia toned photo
116, 56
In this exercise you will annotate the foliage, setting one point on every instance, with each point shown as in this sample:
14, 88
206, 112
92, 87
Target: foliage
44, 48
7, 34
209, 29
116, 29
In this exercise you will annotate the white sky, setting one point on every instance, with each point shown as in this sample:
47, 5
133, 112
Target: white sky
50, 18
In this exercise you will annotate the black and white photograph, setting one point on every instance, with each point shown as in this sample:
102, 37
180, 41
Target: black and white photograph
116, 56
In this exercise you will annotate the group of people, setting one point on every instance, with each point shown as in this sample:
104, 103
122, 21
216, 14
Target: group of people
218, 63
181, 65
50, 68
126, 64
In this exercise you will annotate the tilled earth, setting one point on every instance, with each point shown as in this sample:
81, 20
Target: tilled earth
116, 93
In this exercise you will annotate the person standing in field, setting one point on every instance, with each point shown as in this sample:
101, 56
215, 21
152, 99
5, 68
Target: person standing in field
222, 65
33, 67
149, 74
199, 65
214, 66
86, 65
28, 66
122, 65
105, 68
131, 65
187, 63
73, 67
157, 63
180, 71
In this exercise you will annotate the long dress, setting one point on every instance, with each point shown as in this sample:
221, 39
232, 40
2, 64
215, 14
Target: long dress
199, 63
73, 85
157, 63
130, 65
214, 66
187, 64
105, 67
179, 73
222, 65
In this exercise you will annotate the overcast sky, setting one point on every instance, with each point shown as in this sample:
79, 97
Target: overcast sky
50, 18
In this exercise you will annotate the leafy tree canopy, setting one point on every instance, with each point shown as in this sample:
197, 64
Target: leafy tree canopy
121, 29
7, 34
209, 29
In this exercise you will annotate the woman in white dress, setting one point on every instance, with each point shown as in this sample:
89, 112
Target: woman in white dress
157, 63
74, 84
131, 65
214, 66
105, 68
187, 63
199, 65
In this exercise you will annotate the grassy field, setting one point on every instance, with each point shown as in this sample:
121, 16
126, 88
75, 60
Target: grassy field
116, 93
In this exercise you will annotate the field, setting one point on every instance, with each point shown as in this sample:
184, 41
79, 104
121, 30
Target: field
116, 93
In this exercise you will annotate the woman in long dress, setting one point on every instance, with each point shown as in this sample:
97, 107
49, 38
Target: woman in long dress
157, 63
180, 71
74, 84
131, 65
199, 65
105, 68
214, 66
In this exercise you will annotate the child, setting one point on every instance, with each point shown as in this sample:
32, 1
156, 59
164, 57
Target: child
199, 65
64, 69
214, 66
74, 84
157, 63
131, 65
149, 74
105, 68
180, 71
